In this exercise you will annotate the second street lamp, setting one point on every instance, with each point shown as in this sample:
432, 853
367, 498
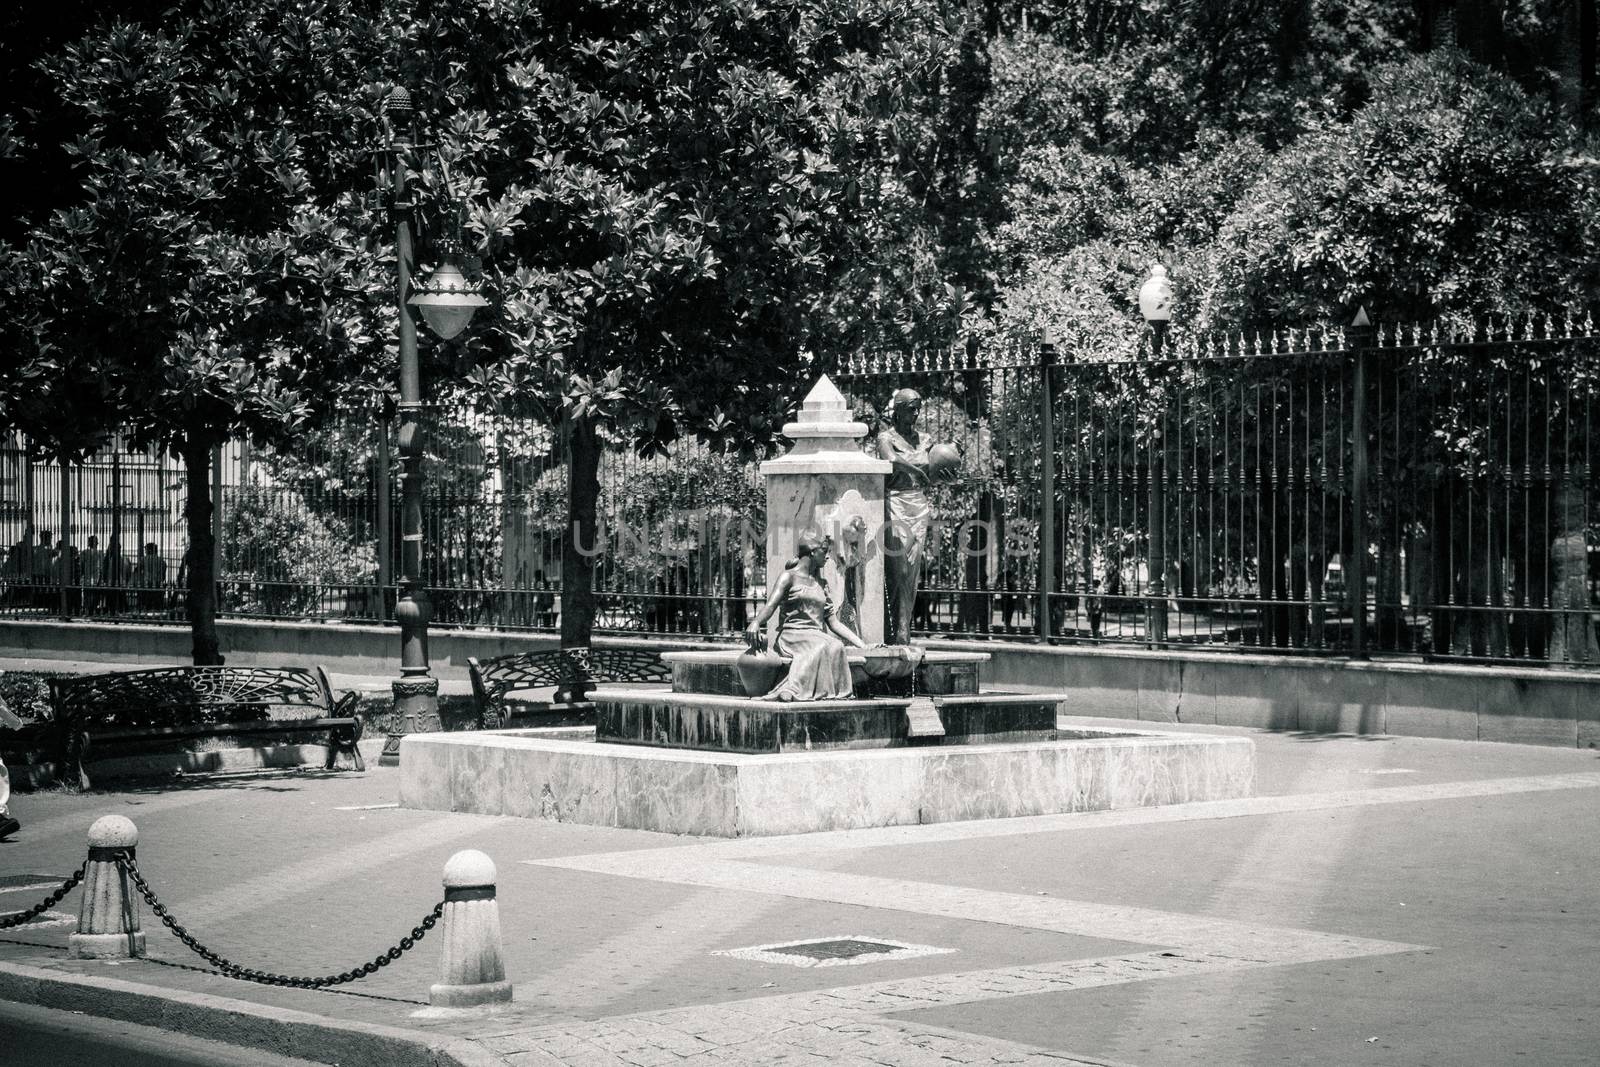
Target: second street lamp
447, 301
1155, 304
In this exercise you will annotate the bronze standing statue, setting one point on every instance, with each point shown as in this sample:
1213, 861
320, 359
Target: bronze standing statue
808, 631
909, 513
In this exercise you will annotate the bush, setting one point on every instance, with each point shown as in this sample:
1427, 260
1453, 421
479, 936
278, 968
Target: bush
27, 694
1445, 194
279, 557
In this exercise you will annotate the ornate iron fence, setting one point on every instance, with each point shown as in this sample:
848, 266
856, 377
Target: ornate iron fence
1405, 490
310, 532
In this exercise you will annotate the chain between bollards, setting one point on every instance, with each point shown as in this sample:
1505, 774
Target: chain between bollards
473, 971
230, 969
19, 918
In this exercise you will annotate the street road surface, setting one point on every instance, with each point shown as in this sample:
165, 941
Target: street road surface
40, 1037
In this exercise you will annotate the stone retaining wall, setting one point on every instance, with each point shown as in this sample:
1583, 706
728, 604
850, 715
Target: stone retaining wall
341, 648
1553, 707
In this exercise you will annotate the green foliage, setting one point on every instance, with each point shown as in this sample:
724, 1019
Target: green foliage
667, 514
27, 694
1445, 194
651, 187
708, 192
180, 273
281, 558
1146, 81
1450, 191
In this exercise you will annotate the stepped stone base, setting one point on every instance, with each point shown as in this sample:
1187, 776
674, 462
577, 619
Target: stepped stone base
940, 673
560, 776
741, 724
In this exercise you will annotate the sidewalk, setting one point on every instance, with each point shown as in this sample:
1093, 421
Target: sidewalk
1381, 900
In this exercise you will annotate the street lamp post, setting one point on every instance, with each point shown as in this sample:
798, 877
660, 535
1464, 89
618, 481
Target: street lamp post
447, 302
1155, 304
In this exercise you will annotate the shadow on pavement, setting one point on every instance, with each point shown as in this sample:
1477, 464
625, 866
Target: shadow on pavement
266, 780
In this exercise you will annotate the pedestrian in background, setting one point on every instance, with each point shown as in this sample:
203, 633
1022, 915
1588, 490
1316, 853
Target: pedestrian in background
8, 825
39, 569
151, 576
91, 564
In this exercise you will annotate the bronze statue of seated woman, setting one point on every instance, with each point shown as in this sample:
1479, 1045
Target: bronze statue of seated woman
808, 631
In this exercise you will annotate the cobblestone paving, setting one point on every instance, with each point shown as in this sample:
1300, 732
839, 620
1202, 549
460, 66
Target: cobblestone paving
868, 1023
848, 1025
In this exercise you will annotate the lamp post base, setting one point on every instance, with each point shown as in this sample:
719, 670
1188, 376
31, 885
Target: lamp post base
416, 710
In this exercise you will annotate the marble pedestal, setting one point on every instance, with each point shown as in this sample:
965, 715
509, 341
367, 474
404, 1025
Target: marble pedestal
827, 484
555, 775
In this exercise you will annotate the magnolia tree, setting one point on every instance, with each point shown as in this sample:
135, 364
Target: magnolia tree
664, 199
183, 282
667, 202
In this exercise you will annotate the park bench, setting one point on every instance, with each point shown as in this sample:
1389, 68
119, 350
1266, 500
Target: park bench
188, 702
574, 672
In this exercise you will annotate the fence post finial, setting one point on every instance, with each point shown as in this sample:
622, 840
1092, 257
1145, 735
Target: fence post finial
108, 915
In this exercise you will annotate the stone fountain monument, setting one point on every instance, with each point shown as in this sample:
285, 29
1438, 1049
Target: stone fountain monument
706, 757
828, 484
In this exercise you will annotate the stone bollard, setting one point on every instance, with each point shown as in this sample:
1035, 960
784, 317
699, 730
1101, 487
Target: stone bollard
474, 973
108, 917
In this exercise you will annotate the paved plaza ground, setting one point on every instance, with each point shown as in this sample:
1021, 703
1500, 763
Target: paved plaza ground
1380, 901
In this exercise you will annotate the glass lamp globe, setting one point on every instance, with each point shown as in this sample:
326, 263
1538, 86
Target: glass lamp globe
1155, 296
447, 300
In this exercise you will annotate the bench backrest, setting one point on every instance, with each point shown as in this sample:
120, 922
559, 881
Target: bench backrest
564, 668
183, 696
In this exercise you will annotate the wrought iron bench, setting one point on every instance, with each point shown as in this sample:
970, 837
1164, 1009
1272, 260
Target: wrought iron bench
574, 672
187, 702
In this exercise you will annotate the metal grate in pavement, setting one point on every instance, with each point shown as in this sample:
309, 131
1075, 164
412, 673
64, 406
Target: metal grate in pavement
837, 951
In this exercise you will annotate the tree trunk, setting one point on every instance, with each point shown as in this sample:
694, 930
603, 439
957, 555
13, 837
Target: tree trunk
1299, 580
201, 554
1572, 635
1528, 552
580, 548
977, 608
1440, 538
1273, 547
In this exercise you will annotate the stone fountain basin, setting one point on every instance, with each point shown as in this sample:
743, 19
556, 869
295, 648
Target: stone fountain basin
719, 723
561, 776
940, 673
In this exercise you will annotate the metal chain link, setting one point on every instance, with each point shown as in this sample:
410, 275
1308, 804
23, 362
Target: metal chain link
233, 970
18, 918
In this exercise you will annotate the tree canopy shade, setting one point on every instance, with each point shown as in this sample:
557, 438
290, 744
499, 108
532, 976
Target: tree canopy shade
667, 200
184, 284
1451, 191
1443, 195
676, 206
656, 192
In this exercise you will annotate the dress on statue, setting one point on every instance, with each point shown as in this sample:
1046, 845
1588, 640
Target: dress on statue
818, 669
906, 536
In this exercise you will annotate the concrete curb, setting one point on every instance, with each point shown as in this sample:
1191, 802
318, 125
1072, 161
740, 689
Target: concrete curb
283, 1031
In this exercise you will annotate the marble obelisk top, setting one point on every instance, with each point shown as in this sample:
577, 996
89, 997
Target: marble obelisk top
826, 439
825, 413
